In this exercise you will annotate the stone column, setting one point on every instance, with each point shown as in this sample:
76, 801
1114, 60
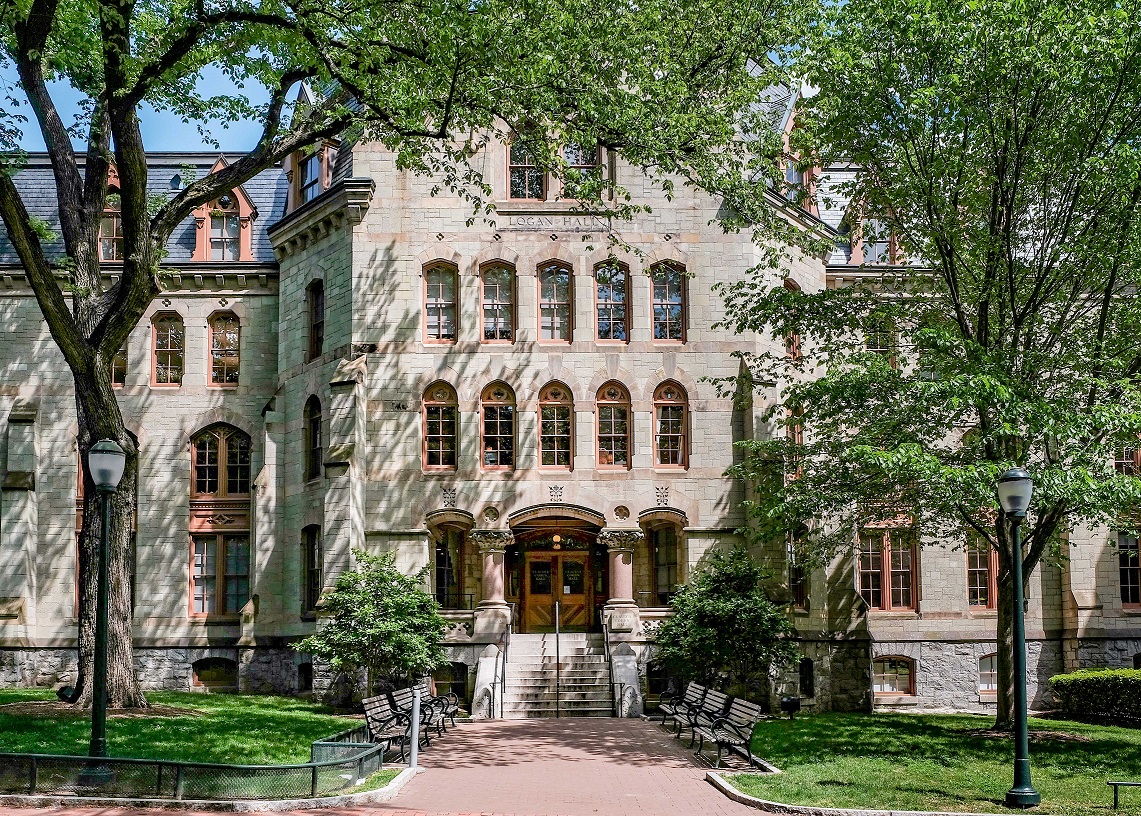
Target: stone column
622, 610
493, 614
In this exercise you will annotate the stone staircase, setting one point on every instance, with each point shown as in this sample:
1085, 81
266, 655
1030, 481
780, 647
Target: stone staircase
584, 690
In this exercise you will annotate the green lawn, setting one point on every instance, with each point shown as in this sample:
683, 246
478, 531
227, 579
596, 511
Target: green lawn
936, 762
230, 728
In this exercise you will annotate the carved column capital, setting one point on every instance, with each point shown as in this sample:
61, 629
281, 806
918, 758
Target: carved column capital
622, 540
491, 540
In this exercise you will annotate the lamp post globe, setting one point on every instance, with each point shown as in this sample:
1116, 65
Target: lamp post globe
105, 462
1015, 488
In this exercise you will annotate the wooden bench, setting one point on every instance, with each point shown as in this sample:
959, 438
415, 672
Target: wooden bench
672, 707
1118, 785
733, 731
712, 708
386, 725
431, 714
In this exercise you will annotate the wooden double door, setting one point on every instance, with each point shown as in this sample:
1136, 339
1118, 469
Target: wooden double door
562, 577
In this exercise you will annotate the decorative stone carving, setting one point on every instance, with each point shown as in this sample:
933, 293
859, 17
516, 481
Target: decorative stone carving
556, 493
663, 494
450, 496
621, 512
621, 540
491, 539
490, 515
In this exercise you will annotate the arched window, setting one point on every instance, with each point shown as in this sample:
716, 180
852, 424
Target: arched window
612, 301
556, 302
613, 405
988, 674
440, 288
669, 304
671, 439
497, 434
893, 676
441, 427
111, 228
315, 307
221, 464
556, 427
168, 344
313, 450
225, 349
498, 295
312, 564
225, 229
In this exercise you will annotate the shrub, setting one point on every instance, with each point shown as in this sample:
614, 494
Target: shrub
1100, 692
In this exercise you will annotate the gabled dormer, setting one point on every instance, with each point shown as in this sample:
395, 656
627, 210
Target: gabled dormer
223, 227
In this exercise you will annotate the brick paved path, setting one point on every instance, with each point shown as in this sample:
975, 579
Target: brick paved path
571, 767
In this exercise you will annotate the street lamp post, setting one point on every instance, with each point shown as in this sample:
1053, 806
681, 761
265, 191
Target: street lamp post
1014, 490
106, 462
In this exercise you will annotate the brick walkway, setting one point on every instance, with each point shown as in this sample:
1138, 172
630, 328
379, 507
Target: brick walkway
569, 767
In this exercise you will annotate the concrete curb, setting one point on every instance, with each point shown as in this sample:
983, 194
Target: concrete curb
244, 806
719, 782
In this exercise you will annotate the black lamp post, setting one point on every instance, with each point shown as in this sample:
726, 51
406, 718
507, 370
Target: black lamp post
1014, 489
106, 462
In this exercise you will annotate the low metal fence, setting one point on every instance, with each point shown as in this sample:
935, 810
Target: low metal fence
337, 763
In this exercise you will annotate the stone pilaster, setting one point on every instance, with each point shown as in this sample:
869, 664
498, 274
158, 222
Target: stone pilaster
621, 609
493, 614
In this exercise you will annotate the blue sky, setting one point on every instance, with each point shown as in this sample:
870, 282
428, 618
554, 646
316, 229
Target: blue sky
162, 130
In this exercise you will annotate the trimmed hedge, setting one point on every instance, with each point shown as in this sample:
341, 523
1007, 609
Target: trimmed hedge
1100, 692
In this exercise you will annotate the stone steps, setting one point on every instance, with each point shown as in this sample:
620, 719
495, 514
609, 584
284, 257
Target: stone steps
583, 677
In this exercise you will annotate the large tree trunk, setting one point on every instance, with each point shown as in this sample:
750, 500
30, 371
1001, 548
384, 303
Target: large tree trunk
100, 418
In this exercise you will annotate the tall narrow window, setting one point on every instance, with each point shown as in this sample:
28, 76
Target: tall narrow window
526, 179
225, 349
440, 284
879, 336
556, 426
169, 341
498, 282
582, 162
221, 464
313, 449
664, 541
893, 676
1125, 461
312, 564
111, 229
497, 434
988, 674
876, 240
441, 427
315, 306
555, 302
982, 574
669, 301
613, 407
119, 367
225, 230
887, 569
1130, 569
220, 576
309, 183
671, 448
449, 558
612, 301
797, 574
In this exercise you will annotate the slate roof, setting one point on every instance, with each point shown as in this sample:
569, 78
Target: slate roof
267, 191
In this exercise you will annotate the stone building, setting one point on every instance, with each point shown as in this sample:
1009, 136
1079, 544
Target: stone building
340, 360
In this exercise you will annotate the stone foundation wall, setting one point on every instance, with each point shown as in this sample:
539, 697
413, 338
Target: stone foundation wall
1108, 653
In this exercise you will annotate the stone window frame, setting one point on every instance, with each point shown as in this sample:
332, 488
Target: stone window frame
976, 544
988, 690
1129, 571
113, 213
169, 351
438, 397
312, 569
224, 436
555, 396
511, 304
440, 306
314, 450
654, 548
216, 351
524, 162
315, 317
221, 541
498, 396
663, 400
604, 400
888, 666
609, 305
664, 302
888, 535
553, 306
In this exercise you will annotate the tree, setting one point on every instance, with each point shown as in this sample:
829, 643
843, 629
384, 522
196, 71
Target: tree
672, 87
381, 621
999, 148
724, 631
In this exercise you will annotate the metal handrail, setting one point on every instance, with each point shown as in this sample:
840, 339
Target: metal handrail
505, 642
558, 661
609, 662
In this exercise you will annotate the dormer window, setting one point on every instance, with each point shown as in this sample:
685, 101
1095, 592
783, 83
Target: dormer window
309, 182
225, 230
111, 229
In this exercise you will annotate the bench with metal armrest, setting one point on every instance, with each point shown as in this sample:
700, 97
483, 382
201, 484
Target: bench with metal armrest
449, 702
712, 708
387, 725
673, 707
734, 730
431, 714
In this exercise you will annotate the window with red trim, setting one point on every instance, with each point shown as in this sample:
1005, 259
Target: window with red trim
1129, 567
441, 427
221, 464
497, 429
612, 301
225, 349
556, 301
168, 346
671, 437
887, 568
497, 281
669, 306
526, 179
556, 427
982, 574
893, 676
613, 408
440, 311
220, 573
111, 228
